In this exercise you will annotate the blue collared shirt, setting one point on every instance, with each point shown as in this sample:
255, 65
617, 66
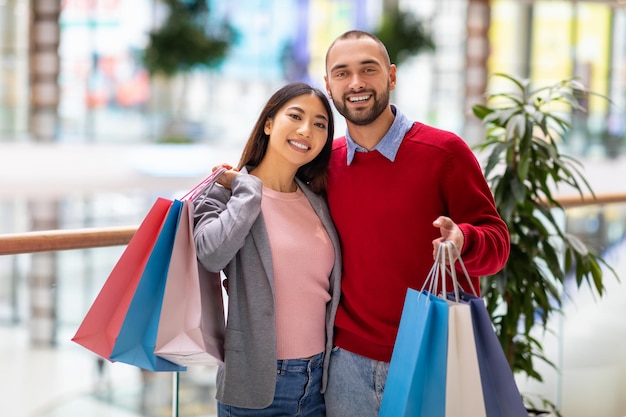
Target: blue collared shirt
389, 144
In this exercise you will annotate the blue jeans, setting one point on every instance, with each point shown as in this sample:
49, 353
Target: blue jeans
297, 394
355, 385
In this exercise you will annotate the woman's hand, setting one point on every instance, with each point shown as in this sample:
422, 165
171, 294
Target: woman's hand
227, 177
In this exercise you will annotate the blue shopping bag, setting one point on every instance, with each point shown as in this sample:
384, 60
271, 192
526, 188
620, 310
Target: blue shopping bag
501, 395
416, 382
137, 337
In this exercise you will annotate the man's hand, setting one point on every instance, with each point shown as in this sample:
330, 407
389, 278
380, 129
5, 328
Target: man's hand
449, 232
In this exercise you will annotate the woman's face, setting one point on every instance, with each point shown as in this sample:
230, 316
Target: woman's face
298, 131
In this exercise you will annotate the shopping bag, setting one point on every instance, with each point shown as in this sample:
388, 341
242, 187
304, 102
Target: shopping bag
464, 394
191, 325
137, 337
500, 393
416, 380
473, 378
103, 321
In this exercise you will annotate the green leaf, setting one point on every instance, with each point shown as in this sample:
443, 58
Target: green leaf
517, 189
523, 167
516, 126
576, 244
481, 111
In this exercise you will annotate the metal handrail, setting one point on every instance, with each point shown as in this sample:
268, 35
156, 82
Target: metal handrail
588, 200
55, 240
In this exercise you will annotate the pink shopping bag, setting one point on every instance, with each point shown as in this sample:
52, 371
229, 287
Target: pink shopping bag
192, 324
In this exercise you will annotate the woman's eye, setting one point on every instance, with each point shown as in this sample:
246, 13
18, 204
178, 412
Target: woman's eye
295, 116
321, 125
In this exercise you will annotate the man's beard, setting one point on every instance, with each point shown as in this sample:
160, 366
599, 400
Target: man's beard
363, 117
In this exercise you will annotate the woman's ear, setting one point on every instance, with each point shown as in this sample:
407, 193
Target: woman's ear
268, 126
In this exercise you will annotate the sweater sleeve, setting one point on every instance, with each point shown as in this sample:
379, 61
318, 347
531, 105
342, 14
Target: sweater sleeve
471, 206
223, 220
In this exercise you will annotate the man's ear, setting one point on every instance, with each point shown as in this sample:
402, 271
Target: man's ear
330, 96
392, 77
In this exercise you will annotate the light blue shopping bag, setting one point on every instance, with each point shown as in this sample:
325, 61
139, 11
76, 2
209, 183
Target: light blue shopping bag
416, 382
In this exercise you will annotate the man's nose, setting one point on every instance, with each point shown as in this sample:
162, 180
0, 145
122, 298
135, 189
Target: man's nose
356, 83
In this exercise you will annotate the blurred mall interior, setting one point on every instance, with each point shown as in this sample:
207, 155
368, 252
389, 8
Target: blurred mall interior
86, 140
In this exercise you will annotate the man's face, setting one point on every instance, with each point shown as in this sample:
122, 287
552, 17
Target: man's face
358, 79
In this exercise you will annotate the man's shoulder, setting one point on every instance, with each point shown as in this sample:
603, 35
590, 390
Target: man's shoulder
424, 134
339, 143
421, 131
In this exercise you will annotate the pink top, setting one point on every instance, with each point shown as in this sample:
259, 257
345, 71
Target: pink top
302, 258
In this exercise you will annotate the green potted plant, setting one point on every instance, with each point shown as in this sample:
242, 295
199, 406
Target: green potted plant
524, 167
403, 34
183, 43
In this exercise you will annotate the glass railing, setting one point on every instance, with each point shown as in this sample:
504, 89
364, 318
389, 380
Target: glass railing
60, 378
82, 383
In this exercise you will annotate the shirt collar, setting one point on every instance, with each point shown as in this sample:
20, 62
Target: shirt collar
389, 144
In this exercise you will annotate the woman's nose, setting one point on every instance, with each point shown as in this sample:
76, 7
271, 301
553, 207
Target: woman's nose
305, 128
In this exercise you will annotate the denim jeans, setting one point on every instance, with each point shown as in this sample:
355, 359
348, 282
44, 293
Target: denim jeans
297, 394
355, 385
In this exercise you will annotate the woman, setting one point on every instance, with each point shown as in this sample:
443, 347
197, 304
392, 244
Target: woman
266, 225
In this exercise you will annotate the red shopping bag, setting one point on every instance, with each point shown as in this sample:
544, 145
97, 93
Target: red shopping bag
136, 339
101, 325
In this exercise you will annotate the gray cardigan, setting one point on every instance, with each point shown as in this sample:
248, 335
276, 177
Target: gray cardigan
230, 235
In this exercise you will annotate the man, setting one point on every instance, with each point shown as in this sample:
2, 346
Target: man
396, 190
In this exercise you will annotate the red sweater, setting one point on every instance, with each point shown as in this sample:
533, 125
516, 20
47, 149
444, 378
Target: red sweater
384, 211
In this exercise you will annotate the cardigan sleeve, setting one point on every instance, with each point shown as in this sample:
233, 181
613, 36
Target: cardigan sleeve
224, 219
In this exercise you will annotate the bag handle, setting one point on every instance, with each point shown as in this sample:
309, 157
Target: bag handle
204, 185
451, 250
431, 283
445, 255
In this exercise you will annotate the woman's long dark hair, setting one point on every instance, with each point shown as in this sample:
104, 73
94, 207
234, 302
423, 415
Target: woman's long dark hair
315, 172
